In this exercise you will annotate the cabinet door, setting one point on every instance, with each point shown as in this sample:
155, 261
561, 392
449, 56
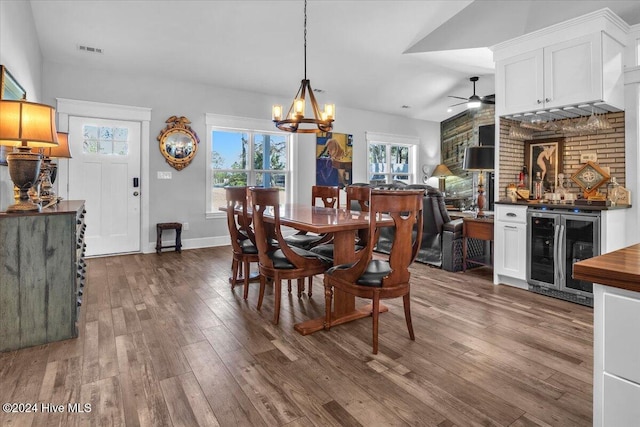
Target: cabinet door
573, 71
620, 403
520, 83
510, 250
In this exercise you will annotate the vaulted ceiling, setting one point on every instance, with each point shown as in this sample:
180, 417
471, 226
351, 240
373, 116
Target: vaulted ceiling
373, 55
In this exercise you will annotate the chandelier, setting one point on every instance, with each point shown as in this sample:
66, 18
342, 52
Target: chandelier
321, 122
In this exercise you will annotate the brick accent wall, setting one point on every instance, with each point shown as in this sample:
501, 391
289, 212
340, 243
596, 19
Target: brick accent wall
456, 134
607, 144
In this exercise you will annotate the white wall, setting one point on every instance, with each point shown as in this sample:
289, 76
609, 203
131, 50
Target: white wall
20, 53
183, 197
632, 132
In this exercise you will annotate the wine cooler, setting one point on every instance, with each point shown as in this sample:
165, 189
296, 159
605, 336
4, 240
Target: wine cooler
556, 239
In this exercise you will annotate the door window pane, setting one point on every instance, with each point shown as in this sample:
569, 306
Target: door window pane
105, 140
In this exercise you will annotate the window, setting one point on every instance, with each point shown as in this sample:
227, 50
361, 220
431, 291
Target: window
391, 158
237, 157
105, 140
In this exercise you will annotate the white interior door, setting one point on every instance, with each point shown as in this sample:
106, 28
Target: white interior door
105, 172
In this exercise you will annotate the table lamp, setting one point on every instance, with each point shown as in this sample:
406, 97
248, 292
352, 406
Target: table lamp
442, 172
479, 159
49, 169
26, 125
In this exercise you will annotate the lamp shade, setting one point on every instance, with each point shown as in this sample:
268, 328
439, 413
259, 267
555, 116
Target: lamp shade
61, 151
441, 171
27, 124
479, 158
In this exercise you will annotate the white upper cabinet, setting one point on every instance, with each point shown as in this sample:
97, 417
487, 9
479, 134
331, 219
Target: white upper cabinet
585, 70
539, 73
573, 71
521, 83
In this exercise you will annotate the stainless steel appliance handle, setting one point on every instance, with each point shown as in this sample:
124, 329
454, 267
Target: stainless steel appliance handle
556, 249
562, 247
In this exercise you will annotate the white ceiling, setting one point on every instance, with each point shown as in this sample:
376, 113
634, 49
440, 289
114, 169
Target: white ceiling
375, 55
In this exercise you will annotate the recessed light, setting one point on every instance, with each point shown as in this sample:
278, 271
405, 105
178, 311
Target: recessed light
449, 110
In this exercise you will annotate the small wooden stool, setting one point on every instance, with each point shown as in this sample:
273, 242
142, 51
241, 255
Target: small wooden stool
168, 226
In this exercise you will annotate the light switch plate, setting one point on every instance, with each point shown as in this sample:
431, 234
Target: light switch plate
164, 175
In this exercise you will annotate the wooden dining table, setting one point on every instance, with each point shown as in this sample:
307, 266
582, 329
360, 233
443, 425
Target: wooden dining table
342, 223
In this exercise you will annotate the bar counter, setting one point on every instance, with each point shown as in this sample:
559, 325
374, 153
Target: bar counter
616, 335
619, 269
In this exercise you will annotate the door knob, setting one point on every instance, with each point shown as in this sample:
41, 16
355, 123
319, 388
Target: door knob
135, 193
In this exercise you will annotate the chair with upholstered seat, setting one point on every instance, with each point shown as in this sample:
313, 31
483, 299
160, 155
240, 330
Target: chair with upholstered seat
330, 198
357, 199
242, 236
382, 279
282, 262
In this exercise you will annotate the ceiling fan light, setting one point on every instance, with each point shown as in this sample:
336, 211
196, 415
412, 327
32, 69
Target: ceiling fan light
474, 102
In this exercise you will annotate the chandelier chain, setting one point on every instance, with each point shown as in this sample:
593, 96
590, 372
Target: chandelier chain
305, 39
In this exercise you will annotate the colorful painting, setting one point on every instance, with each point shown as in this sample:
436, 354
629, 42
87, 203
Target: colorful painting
334, 156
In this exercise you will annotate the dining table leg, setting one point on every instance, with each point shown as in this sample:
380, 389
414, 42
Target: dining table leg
344, 304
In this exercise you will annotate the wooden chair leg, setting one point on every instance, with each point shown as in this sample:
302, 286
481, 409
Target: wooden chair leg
263, 282
328, 296
310, 290
375, 315
276, 303
246, 279
289, 286
407, 315
300, 287
234, 272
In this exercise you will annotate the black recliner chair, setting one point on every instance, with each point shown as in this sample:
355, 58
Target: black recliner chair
441, 237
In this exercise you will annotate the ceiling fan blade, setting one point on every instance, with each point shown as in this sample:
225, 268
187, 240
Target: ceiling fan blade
458, 97
455, 105
492, 96
488, 101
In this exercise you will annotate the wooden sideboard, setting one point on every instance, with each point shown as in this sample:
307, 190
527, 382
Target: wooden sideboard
42, 273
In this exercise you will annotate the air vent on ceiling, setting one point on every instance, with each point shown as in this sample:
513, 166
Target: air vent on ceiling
89, 49
319, 90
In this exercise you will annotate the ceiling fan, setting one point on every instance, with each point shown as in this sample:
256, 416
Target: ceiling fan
474, 101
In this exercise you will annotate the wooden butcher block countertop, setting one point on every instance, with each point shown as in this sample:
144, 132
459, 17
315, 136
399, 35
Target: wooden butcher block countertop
619, 269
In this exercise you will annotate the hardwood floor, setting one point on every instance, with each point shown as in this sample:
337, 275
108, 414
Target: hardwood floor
164, 341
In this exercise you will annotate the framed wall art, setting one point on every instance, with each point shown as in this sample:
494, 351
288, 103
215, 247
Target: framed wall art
544, 156
334, 159
9, 89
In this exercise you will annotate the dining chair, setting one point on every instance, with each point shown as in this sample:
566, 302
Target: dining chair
281, 262
378, 279
357, 199
243, 242
330, 198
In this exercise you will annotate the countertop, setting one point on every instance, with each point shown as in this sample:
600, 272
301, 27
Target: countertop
62, 207
619, 269
547, 205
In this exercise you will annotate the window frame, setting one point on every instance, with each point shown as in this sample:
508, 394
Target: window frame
215, 122
388, 140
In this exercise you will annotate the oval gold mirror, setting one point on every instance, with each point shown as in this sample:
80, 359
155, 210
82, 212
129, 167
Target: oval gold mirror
178, 142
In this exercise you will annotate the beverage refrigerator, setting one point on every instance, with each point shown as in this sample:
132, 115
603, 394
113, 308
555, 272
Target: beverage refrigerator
556, 239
